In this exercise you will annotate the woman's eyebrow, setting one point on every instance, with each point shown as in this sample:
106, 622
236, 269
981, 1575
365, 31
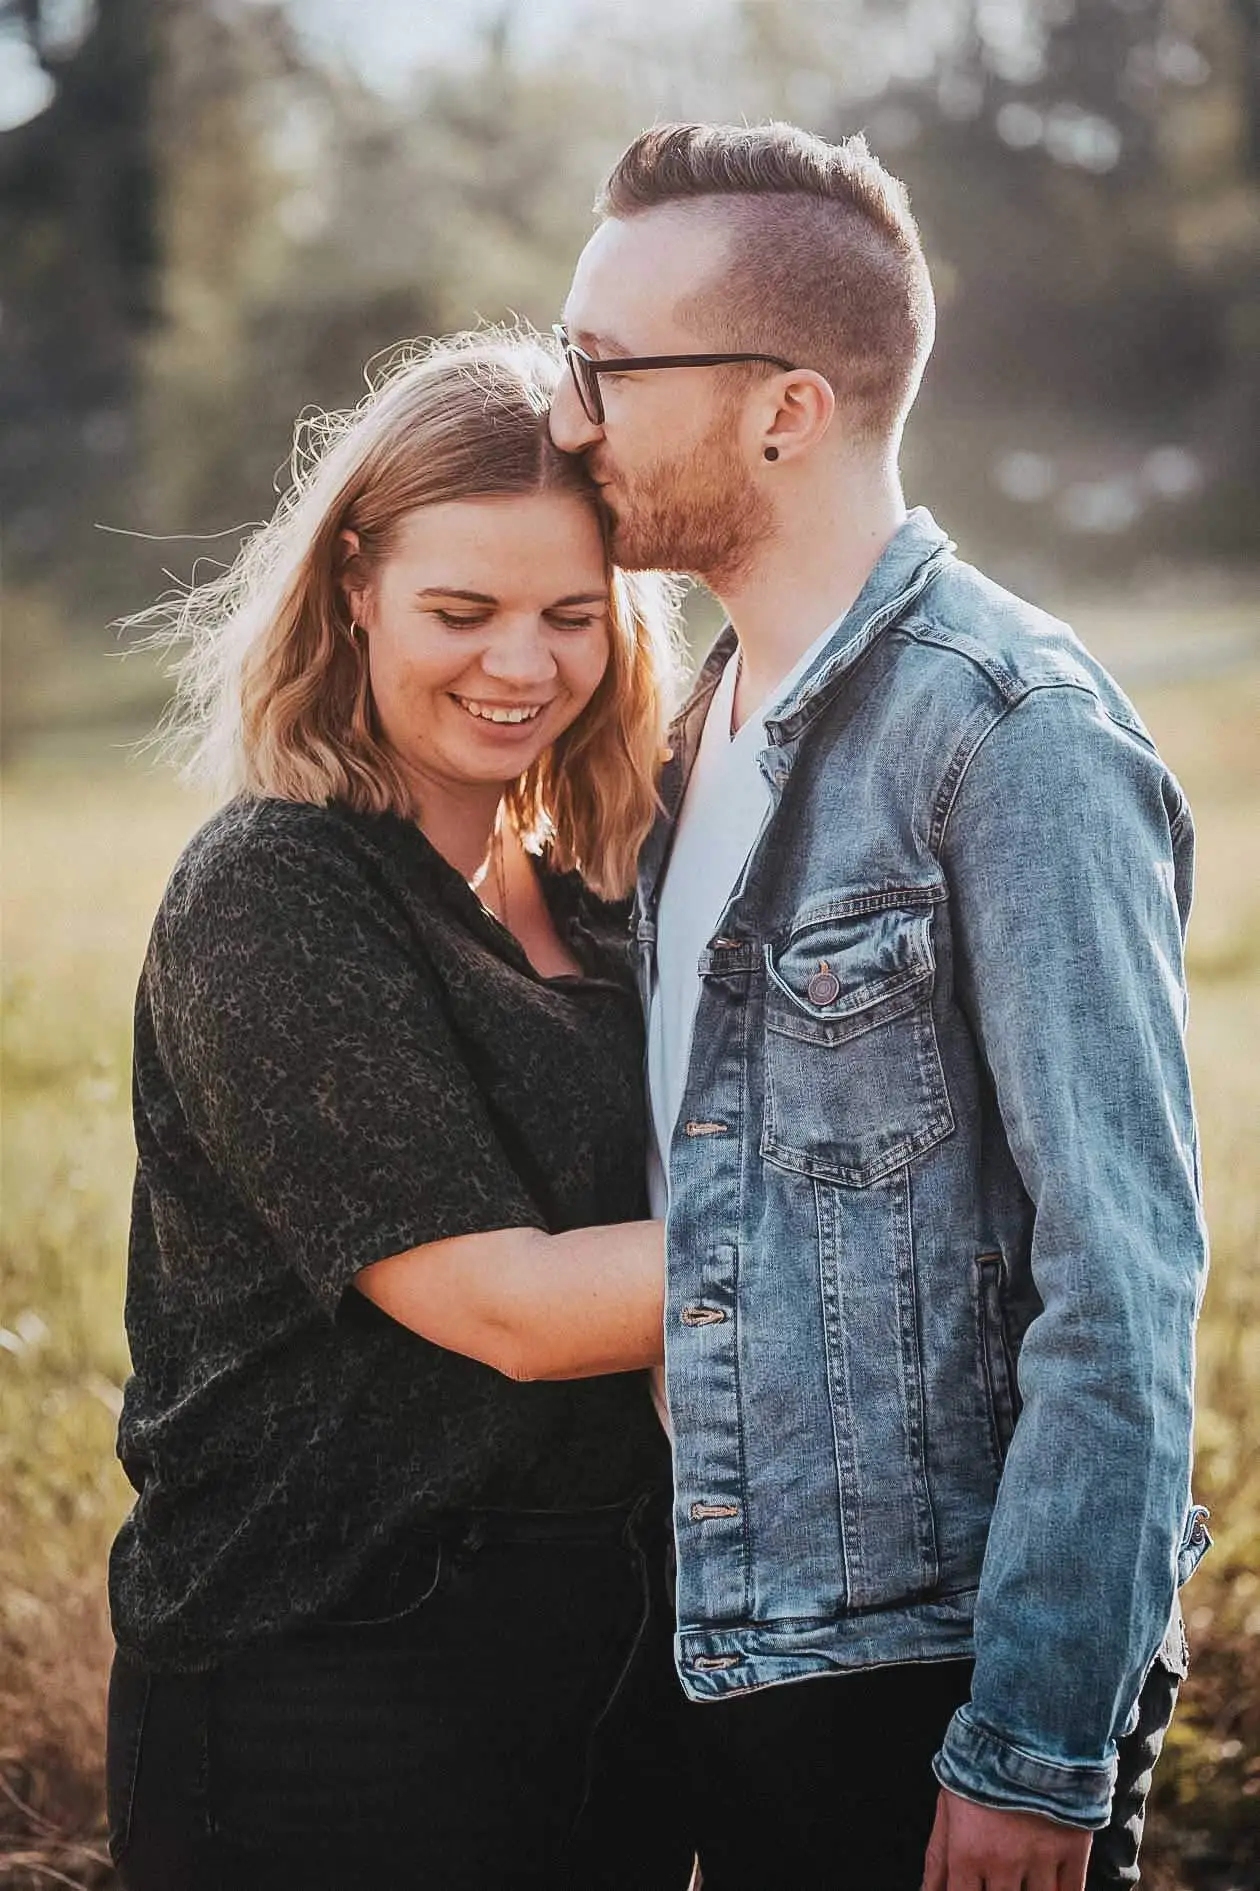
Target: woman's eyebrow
452, 591
481, 597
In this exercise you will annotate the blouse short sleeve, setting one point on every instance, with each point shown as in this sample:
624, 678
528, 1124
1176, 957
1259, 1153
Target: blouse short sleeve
305, 1039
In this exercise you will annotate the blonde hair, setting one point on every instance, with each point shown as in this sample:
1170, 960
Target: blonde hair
272, 692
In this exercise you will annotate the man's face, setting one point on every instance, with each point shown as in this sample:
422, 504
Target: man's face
669, 456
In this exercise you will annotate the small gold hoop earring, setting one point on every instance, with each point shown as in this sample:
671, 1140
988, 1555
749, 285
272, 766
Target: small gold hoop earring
354, 632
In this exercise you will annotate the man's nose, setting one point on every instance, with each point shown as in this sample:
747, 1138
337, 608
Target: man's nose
571, 428
521, 655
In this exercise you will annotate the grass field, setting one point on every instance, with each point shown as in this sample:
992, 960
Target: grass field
86, 851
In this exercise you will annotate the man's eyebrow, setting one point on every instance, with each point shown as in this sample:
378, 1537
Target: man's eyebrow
607, 345
580, 597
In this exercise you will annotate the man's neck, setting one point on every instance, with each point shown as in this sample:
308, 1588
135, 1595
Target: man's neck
807, 575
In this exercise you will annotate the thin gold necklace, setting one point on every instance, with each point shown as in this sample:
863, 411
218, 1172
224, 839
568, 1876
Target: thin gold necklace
500, 871
493, 859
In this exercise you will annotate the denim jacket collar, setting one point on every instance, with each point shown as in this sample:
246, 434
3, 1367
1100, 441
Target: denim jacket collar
918, 550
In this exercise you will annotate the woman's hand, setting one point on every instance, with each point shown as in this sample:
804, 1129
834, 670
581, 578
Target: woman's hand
534, 1305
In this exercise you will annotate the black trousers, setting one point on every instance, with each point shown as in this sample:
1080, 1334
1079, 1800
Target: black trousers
827, 1785
514, 1725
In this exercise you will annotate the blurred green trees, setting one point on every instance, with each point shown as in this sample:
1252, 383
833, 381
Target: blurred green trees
209, 227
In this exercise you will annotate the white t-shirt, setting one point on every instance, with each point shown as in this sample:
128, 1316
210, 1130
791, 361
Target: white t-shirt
722, 813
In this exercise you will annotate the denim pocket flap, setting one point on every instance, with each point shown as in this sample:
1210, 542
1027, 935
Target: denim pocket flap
834, 977
854, 1086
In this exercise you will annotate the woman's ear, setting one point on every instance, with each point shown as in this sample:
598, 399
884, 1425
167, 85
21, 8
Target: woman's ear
348, 548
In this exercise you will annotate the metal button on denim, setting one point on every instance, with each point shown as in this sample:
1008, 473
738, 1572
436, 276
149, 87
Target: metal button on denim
824, 987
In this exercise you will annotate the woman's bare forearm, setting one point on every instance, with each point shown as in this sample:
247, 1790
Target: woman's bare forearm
534, 1305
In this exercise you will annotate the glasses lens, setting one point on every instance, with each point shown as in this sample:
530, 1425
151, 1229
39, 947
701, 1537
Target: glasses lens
586, 383
588, 390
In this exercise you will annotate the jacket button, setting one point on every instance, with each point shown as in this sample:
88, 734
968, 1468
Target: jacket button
824, 987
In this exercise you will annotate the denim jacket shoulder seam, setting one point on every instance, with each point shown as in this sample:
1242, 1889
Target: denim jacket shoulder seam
963, 757
923, 630
956, 773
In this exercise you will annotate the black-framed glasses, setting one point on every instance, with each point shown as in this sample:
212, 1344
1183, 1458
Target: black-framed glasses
586, 370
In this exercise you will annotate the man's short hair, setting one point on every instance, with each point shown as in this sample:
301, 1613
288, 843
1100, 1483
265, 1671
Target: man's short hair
825, 263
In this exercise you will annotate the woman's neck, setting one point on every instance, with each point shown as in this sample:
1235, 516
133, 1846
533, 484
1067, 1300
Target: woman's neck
459, 822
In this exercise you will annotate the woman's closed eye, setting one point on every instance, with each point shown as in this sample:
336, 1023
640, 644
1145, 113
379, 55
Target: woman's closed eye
559, 617
462, 620
568, 620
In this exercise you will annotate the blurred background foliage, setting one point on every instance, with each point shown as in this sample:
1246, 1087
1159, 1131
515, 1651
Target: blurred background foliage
223, 208
214, 213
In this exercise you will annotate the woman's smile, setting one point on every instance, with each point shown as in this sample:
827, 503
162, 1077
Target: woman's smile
509, 715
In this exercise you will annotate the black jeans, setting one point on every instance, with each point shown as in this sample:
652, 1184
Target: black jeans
515, 1725
827, 1785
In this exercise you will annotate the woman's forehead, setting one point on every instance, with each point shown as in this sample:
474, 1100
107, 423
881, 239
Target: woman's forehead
449, 544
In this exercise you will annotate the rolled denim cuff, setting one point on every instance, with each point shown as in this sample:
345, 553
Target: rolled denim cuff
976, 1764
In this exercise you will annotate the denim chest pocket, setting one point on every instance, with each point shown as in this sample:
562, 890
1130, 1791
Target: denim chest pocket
854, 1084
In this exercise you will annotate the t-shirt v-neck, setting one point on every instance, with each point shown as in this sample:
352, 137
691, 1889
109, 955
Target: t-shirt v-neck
722, 813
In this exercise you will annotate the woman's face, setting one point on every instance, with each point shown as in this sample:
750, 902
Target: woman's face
487, 634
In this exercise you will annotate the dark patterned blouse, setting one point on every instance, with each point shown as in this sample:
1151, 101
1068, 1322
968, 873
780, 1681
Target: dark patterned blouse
340, 1055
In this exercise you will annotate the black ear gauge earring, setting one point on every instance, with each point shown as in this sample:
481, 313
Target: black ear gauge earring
771, 453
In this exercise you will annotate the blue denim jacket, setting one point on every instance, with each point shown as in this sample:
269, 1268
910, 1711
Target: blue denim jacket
935, 1246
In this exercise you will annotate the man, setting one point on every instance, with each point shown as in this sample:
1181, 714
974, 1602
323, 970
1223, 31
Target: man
911, 933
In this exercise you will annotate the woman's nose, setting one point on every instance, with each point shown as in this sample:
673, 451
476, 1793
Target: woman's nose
521, 656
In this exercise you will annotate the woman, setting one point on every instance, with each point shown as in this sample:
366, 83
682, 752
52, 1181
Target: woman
389, 1606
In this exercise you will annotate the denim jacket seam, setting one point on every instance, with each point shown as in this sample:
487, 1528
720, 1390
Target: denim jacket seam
980, 1734
746, 1550
941, 637
953, 780
955, 775
1010, 1796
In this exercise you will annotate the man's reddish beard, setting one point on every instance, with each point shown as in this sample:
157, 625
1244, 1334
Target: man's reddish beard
701, 514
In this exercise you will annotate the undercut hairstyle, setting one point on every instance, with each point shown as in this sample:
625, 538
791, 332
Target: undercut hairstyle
824, 262
273, 695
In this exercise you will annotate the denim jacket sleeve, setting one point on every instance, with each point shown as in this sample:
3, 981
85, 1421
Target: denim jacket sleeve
1067, 851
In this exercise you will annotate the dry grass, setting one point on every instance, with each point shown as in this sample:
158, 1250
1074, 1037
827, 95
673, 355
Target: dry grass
87, 849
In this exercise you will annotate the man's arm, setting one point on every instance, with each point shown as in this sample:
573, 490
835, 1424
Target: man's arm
1064, 849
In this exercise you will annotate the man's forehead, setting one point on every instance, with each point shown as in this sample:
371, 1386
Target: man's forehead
634, 273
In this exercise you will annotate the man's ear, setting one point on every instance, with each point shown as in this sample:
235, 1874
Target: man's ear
348, 548
802, 414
